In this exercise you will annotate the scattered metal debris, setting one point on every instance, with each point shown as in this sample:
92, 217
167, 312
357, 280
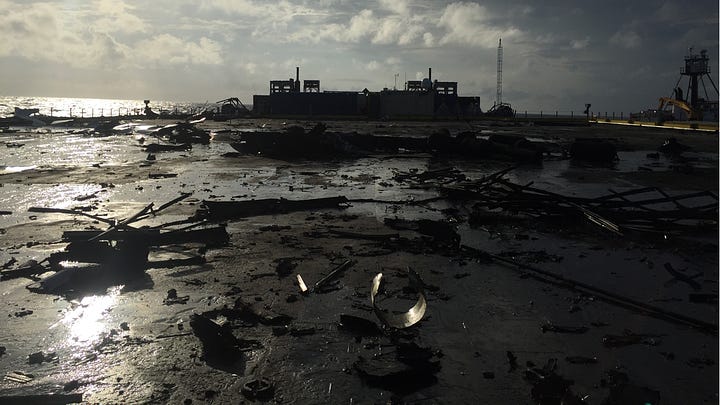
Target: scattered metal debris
550, 327
121, 250
258, 389
173, 298
44, 399
603, 294
678, 276
549, 387
614, 212
318, 287
409, 318
581, 360
628, 338
219, 343
40, 357
19, 377
220, 210
406, 369
301, 284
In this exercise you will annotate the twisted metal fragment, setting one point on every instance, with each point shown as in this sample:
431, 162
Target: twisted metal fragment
409, 318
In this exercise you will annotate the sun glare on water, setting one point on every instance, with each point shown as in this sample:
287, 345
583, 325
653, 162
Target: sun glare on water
87, 321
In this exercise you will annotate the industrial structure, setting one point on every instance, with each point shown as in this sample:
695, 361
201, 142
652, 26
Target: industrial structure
500, 109
690, 105
498, 97
419, 99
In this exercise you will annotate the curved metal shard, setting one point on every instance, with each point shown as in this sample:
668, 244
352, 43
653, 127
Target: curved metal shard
409, 318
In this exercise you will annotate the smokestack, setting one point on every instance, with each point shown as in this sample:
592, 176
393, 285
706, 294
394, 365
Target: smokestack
297, 78
430, 74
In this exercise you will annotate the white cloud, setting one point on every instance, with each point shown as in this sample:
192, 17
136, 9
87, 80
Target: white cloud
89, 37
401, 7
580, 43
428, 39
470, 24
372, 66
393, 61
264, 11
168, 49
31, 31
365, 25
546, 39
388, 31
410, 34
626, 39
107, 51
240, 7
291, 64
116, 16
38, 32
250, 67
360, 26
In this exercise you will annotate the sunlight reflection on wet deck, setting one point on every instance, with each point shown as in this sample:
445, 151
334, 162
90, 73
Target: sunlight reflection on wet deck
87, 319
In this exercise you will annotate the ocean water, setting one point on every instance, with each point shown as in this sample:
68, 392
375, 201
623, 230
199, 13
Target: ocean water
94, 107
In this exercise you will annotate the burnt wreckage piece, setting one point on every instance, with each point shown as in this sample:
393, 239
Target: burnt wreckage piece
119, 252
406, 369
221, 210
648, 210
297, 143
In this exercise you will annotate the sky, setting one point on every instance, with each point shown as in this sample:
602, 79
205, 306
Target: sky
558, 55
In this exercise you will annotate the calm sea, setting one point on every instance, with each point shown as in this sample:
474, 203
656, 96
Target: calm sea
93, 107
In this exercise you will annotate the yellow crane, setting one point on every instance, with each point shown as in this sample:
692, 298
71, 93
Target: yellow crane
692, 114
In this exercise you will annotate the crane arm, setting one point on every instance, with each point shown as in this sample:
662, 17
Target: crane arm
678, 103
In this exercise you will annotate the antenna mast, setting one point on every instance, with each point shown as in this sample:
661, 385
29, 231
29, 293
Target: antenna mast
498, 100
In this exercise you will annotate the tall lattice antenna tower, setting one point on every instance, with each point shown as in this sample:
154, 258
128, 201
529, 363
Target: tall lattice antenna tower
498, 100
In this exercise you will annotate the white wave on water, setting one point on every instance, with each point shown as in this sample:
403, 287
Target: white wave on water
93, 107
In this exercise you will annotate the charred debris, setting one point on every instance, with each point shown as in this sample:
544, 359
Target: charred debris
295, 142
94, 259
98, 258
298, 143
119, 252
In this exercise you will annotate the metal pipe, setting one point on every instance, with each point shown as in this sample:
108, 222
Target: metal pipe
333, 273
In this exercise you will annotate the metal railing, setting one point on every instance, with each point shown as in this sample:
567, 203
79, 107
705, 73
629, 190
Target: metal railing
570, 114
79, 112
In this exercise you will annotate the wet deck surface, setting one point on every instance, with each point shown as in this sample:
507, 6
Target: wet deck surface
480, 313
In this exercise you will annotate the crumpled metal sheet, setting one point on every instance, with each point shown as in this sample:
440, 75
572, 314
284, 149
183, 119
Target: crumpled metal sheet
409, 318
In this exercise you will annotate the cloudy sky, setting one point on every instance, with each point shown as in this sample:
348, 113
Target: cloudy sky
558, 55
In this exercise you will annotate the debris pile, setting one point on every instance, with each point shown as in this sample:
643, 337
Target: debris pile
645, 210
294, 142
221, 210
497, 146
183, 133
219, 343
316, 143
118, 253
549, 387
406, 369
347, 312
